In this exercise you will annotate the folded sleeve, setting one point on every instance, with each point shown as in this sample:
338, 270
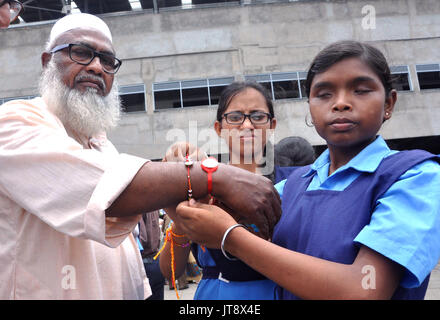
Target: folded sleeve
280, 187
51, 175
405, 226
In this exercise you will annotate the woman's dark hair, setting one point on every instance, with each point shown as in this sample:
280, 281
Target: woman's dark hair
341, 50
239, 86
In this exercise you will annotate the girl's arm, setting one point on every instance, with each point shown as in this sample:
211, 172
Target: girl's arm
371, 276
181, 254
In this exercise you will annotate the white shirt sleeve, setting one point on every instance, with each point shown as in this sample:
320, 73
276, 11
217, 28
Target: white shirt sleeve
52, 176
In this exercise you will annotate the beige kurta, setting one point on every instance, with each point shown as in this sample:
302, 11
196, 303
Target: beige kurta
55, 240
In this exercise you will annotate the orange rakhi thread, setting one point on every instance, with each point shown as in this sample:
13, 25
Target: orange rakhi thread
188, 163
170, 238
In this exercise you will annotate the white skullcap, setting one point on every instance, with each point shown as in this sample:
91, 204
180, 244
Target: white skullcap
78, 20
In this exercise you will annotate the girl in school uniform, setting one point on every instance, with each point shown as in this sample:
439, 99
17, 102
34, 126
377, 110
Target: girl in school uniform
361, 222
244, 117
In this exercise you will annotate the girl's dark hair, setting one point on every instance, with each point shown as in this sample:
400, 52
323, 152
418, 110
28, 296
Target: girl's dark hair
341, 50
293, 151
239, 86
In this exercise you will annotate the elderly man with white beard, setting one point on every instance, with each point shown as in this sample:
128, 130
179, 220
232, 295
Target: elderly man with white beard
69, 201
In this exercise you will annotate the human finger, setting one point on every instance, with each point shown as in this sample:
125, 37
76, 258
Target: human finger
204, 224
274, 214
271, 206
175, 152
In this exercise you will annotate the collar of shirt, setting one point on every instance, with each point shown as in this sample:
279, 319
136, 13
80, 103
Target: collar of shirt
366, 161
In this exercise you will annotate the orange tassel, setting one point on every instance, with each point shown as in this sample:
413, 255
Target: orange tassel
169, 237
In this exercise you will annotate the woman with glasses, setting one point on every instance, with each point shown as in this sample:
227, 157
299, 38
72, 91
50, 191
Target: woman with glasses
245, 117
9, 11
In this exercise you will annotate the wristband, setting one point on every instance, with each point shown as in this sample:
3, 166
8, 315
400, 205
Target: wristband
209, 165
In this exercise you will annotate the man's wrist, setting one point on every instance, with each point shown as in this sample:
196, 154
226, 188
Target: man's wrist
209, 165
217, 181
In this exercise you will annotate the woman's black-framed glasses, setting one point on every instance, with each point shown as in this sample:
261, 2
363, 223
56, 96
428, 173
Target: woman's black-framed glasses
15, 8
84, 55
238, 118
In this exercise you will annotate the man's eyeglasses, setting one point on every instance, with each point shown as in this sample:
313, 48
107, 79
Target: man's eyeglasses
84, 55
15, 8
238, 118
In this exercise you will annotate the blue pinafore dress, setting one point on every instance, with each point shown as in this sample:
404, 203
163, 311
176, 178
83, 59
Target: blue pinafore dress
324, 223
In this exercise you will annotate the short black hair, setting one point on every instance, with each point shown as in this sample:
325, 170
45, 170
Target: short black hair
239, 86
341, 50
293, 151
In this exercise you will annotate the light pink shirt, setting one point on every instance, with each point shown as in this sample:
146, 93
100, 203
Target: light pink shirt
55, 240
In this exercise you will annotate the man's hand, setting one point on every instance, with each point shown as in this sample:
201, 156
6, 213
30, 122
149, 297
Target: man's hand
161, 185
251, 197
248, 222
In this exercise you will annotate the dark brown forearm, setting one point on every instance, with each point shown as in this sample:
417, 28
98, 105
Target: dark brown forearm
165, 184
158, 185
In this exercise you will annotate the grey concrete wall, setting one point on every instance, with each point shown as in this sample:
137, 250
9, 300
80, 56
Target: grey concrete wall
235, 41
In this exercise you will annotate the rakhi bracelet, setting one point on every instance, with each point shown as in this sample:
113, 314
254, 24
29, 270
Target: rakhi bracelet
222, 246
170, 238
174, 235
188, 165
183, 245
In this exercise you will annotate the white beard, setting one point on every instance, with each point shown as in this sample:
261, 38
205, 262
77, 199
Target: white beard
86, 113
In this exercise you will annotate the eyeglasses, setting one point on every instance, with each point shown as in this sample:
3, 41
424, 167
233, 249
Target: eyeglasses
15, 8
238, 118
84, 55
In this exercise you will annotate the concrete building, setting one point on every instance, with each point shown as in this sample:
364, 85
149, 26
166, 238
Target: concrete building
176, 61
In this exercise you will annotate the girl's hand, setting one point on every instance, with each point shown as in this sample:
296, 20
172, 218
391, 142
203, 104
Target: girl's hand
178, 151
171, 212
203, 223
